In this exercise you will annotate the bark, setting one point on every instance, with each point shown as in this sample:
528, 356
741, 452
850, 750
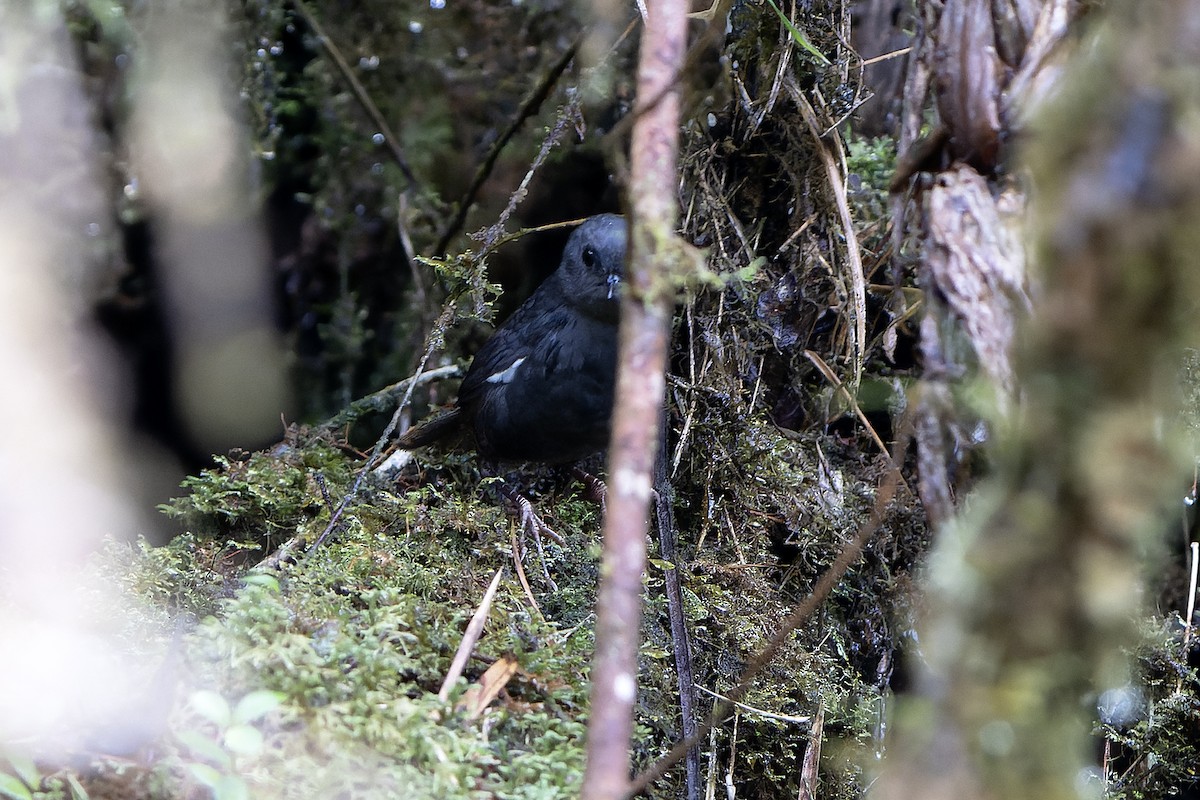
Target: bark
983, 62
645, 329
1035, 590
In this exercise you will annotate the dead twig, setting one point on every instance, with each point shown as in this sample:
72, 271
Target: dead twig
840, 387
360, 93
850, 553
383, 399
1194, 552
830, 152
521, 577
533, 101
442, 323
812, 757
470, 637
758, 712
680, 643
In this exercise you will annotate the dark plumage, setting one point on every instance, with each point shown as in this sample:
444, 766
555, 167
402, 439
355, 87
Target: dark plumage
541, 389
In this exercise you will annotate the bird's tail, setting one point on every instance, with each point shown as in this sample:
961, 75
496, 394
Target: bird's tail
432, 429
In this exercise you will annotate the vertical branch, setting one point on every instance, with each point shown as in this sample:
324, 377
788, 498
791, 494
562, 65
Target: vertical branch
645, 329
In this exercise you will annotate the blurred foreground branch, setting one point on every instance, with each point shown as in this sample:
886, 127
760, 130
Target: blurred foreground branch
1036, 588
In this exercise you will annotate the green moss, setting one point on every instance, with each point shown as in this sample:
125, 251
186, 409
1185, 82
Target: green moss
1153, 736
356, 638
262, 497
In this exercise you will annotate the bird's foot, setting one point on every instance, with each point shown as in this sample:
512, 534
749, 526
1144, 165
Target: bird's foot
533, 524
530, 521
594, 489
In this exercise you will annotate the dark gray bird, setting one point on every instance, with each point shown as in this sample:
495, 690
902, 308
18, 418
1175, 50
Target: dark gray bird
541, 389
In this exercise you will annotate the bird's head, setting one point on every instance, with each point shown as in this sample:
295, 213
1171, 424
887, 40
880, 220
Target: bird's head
593, 264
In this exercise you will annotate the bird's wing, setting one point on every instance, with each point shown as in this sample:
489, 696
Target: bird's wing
522, 336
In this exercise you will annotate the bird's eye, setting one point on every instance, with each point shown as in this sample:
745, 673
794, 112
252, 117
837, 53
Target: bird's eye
589, 256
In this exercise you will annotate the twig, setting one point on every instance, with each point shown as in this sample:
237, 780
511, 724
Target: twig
568, 116
389, 137
612, 142
520, 570
680, 644
1191, 607
646, 309
812, 756
849, 554
410, 253
528, 108
758, 712
840, 386
858, 281
730, 785
442, 321
385, 397
903, 51
470, 637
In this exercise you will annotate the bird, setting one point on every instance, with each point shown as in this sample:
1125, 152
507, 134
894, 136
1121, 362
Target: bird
541, 388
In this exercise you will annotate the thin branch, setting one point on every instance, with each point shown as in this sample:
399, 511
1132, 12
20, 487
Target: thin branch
360, 93
528, 108
883, 498
837, 183
680, 644
386, 397
1194, 552
646, 308
903, 51
442, 323
840, 386
758, 712
470, 637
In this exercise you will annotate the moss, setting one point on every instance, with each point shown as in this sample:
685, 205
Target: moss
357, 637
259, 498
1152, 726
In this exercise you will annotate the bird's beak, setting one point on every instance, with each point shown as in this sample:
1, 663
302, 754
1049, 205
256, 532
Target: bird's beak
614, 280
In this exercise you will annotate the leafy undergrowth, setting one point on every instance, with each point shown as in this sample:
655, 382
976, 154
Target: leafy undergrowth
1152, 726
319, 676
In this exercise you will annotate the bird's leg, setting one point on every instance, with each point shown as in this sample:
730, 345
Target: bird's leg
594, 488
530, 520
536, 524
533, 523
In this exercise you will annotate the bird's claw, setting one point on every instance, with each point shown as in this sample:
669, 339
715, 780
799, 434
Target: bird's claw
532, 522
594, 488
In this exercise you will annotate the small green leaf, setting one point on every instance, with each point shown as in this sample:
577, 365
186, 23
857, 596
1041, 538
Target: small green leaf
244, 740
212, 707
13, 788
263, 580
206, 775
256, 704
77, 790
748, 272
797, 36
200, 746
25, 769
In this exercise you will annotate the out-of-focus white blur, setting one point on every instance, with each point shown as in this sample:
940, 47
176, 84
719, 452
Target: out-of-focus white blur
68, 467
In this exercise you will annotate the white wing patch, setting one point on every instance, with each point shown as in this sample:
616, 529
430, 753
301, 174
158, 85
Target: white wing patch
507, 375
